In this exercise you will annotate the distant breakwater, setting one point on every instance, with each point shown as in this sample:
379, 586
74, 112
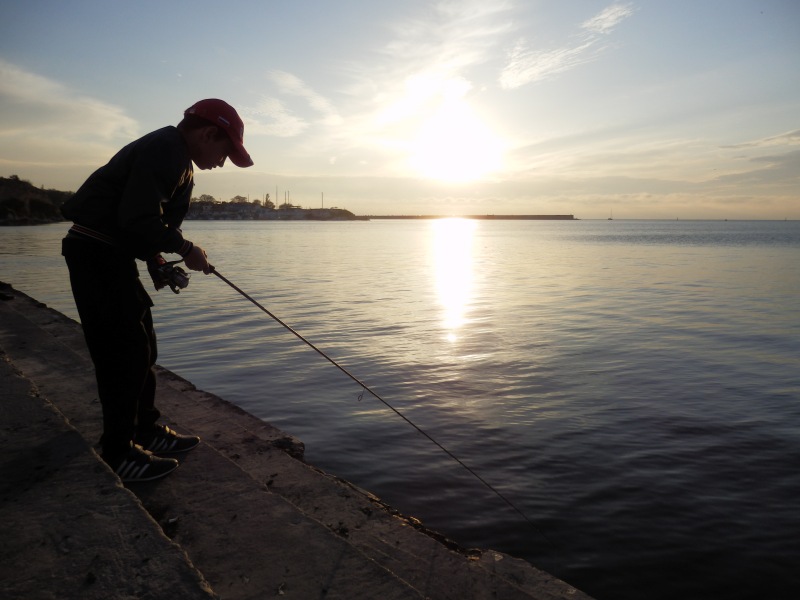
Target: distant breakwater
484, 217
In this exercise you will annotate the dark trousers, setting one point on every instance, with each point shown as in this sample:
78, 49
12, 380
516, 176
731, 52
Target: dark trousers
117, 323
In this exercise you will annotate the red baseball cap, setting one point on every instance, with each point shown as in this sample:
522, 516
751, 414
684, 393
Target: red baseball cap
225, 116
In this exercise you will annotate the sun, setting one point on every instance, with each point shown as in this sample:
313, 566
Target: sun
455, 145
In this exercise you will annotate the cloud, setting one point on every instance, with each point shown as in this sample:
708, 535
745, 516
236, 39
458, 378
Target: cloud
607, 19
527, 65
34, 105
47, 127
271, 117
789, 138
457, 35
776, 171
290, 84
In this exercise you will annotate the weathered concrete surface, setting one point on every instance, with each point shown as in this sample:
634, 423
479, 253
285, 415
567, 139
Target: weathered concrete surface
68, 528
243, 517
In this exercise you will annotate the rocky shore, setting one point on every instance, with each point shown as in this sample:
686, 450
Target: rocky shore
242, 518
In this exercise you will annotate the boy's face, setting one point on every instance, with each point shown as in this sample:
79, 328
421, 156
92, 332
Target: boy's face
209, 151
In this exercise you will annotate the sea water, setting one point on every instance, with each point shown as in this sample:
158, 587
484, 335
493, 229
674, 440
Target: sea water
631, 387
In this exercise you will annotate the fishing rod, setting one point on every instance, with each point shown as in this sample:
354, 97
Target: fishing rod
366, 388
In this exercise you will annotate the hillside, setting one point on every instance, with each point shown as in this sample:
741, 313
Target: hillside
23, 204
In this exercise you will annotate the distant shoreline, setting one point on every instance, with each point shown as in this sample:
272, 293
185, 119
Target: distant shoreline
484, 217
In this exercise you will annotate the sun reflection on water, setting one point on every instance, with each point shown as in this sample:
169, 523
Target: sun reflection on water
453, 270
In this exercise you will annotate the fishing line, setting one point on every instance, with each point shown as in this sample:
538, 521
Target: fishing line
365, 387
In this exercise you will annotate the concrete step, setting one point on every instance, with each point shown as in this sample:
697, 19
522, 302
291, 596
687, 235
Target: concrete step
69, 528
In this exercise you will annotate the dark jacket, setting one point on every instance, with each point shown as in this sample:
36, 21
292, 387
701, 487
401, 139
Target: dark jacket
139, 199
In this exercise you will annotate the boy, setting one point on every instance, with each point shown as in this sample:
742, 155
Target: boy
132, 208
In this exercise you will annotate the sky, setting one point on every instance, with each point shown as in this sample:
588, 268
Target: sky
641, 109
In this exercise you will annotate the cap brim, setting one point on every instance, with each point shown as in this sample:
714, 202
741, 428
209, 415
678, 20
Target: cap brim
239, 156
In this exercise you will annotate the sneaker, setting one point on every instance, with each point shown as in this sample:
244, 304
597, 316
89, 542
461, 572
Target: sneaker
163, 440
141, 465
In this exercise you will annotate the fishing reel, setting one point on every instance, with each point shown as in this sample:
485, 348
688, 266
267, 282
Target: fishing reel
168, 273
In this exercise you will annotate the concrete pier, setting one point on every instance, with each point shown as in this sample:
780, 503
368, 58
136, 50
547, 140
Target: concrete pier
242, 518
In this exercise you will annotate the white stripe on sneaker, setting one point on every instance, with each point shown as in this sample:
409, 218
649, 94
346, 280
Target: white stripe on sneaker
137, 466
161, 444
140, 473
128, 469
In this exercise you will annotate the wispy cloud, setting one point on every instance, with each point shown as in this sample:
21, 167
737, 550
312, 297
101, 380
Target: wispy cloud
774, 172
34, 105
457, 35
272, 115
46, 125
790, 138
437, 53
607, 19
292, 85
526, 65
